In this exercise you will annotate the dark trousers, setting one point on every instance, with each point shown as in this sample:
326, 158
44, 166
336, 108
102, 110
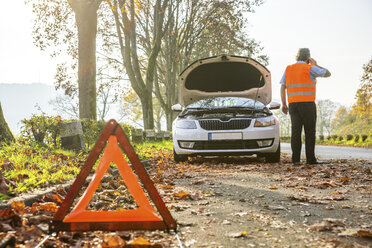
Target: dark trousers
303, 114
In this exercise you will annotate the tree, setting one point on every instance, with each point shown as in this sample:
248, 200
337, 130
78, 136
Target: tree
50, 28
66, 106
86, 22
5, 133
285, 123
128, 16
130, 109
340, 118
325, 113
191, 34
363, 106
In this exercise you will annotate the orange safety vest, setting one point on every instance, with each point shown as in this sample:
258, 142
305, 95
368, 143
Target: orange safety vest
300, 88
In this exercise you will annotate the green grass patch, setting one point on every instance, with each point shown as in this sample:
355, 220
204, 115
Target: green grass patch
360, 143
149, 149
28, 165
367, 143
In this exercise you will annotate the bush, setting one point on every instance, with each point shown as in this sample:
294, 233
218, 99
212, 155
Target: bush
41, 128
364, 137
356, 138
93, 129
321, 137
349, 137
334, 137
126, 128
46, 129
329, 137
340, 138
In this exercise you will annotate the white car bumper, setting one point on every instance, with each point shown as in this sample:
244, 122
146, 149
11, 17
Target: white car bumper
216, 142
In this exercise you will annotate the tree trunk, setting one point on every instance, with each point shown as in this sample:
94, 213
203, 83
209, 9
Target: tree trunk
147, 110
5, 133
86, 20
168, 117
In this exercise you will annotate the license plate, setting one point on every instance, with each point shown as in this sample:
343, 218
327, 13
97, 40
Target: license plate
225, 136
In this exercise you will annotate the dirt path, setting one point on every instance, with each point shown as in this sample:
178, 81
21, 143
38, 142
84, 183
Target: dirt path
245, 203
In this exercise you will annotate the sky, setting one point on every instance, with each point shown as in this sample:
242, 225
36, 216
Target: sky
338, 33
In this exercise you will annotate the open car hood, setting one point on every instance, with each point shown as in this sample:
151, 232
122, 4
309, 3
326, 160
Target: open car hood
225, 75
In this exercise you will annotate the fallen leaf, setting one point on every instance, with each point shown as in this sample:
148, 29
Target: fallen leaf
167, 186
29, 233
241, 214
273, 187
18, 207
345, 179
51, 197
140, 241
110, 240
326, 225
37, 219
5, 227
198, 182
364, 233
10, 216
47, 206
182, 194
348, 233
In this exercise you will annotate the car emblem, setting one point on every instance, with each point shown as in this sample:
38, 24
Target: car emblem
225, 119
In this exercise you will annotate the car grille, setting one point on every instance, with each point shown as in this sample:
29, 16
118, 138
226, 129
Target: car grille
225, 144
225, 125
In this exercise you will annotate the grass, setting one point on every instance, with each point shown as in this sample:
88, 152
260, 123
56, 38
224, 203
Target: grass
148, 149
28, 165
33, 166
367, 143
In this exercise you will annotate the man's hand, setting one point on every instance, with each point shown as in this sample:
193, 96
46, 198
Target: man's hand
312, 61
284, 99
285, 109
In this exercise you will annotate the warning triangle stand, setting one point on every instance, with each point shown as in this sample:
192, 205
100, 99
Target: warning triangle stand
142, 218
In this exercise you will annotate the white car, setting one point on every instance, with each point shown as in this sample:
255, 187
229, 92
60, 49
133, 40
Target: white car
223, 110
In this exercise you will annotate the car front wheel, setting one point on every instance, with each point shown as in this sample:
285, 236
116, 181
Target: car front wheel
273, 157
179, 158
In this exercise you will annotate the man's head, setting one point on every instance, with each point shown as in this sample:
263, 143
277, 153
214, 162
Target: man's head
303, 54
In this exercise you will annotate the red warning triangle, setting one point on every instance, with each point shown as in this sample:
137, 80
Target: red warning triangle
144, 217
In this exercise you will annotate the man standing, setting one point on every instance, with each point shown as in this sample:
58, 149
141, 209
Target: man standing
299, 80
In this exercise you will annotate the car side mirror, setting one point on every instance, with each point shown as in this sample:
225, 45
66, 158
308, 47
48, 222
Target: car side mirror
274, 105
177, 107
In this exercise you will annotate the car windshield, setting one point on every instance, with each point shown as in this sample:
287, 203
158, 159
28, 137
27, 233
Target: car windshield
226, 102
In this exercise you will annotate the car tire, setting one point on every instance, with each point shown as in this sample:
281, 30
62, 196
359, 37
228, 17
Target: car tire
179, 158
273, 157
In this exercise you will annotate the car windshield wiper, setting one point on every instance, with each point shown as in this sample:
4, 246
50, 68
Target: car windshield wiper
192, 110
241, 108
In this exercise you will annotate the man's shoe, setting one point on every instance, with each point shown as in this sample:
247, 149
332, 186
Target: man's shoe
296, 163
316, 162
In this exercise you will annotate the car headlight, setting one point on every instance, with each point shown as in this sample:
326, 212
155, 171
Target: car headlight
265, 122
186, 124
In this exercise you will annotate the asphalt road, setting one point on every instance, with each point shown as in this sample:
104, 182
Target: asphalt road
334, 152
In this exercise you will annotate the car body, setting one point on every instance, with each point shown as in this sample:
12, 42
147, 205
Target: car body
225, 110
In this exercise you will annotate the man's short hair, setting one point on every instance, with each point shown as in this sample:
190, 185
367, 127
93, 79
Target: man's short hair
303, 54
